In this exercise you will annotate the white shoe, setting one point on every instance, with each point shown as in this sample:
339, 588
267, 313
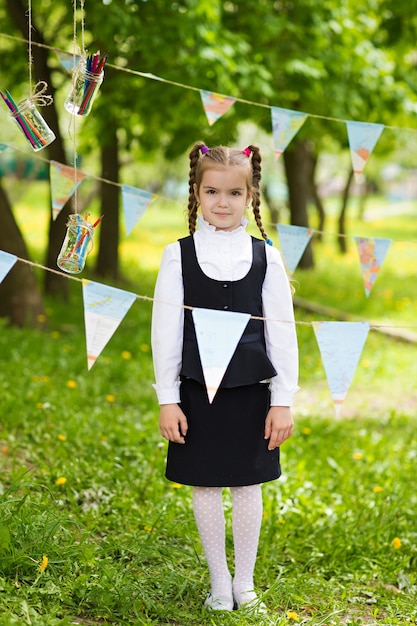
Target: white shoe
219, 603
248, 600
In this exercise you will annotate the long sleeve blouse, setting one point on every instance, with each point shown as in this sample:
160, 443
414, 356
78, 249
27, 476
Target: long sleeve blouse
223, 255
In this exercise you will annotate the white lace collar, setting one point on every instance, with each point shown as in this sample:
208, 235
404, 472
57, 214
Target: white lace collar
204, 227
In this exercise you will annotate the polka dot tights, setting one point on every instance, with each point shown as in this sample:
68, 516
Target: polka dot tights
246, 525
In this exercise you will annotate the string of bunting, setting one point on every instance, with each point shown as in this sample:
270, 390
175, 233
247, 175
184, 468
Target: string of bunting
62, 188
67, 62
362, 136
340, 343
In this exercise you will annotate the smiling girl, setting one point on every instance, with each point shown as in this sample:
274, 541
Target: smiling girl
233, 441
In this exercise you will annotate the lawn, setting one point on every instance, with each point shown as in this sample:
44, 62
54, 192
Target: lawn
91, 532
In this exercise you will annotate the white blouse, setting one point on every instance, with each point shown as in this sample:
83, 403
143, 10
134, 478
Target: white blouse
223, 255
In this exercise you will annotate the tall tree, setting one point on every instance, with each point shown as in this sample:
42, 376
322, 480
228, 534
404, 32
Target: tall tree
20, 299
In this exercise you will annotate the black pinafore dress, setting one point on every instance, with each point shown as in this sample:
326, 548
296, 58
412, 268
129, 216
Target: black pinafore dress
225, 445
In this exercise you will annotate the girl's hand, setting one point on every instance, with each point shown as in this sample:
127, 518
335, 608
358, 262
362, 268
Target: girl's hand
172, 423
278, 426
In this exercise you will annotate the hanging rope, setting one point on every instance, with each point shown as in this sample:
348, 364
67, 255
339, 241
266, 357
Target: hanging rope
30, 45
73, 134
82, 28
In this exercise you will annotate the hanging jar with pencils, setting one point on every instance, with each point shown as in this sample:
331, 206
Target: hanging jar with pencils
86, 82
77, 244
29, 121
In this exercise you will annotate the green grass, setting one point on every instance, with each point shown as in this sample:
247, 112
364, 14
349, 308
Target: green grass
82, 465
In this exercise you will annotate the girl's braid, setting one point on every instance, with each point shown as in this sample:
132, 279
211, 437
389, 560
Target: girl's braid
192, 201
256, 193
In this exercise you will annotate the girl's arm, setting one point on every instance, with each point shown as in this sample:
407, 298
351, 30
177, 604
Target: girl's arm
280, 331
167, 326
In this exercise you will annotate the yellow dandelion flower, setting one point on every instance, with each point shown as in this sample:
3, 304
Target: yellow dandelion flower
293, 615
366, 363
43, 564
176, 486
62, 437
55, 334
39, 405
72, 384
396, 543
61, 480
147, 528
306, 431
357, 456
126, 355
144, 347
5, 449
41, 318
377, 489
110, 397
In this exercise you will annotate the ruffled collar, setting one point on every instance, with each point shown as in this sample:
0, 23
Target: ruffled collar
205, 227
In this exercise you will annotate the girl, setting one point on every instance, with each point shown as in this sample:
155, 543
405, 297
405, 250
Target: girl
234, 441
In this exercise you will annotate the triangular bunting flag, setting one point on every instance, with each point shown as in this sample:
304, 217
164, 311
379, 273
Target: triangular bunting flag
372, 252
341, 344
362, 139
64, 182
3, 146
215, 105
135, 203
218, 333
7, 261
67, 60
285, 124
104, 309
293, 241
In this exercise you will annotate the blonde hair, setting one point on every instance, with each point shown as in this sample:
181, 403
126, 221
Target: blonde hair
203, 158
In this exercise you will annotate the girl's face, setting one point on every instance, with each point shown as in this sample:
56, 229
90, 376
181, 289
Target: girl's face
223, 196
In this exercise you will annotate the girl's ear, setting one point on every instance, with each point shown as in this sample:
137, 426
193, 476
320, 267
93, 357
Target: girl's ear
195, 189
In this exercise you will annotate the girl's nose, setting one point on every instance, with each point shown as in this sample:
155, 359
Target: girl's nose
222, 201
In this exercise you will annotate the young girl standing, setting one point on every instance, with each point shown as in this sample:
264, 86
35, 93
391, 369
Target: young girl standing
234, 441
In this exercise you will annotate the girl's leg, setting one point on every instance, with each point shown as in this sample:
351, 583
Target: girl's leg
209, 516
247, 520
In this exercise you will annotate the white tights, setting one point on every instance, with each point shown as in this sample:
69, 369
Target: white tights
246, 525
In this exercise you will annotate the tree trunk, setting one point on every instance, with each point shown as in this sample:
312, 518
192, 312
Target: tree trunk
20, 299
54, 283
298, 163
273, 206
317, 199
342, 214
108, 255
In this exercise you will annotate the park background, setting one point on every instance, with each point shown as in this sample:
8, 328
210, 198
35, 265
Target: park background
91, 533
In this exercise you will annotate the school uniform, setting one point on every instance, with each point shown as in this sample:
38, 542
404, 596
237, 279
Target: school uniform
226, 270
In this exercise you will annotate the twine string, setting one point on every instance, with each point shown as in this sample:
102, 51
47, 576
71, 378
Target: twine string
73, 134
39, 96
30, 44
